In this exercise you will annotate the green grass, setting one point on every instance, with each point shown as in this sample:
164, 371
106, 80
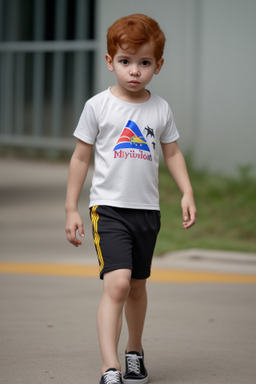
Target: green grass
226, 213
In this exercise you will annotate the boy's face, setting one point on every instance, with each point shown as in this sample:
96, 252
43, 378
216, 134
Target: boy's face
134, 70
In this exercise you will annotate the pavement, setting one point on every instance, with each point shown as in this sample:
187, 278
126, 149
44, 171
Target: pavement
201, 320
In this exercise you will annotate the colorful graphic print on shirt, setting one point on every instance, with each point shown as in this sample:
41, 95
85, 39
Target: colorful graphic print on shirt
132, 139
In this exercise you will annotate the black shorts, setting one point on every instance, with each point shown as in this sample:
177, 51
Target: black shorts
125, 239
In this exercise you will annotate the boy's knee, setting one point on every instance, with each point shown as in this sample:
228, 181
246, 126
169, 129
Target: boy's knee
119, 287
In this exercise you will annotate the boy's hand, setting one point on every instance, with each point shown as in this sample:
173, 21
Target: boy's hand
74, 223
188, 211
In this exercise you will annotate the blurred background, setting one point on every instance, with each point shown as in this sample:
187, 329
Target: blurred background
52, 61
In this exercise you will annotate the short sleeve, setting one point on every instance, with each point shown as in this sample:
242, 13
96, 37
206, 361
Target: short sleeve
87, 127
170, 132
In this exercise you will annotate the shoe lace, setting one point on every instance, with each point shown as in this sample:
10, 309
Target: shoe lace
133, 363
112, 377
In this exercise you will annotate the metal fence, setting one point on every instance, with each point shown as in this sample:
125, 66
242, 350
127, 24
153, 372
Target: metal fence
45, 79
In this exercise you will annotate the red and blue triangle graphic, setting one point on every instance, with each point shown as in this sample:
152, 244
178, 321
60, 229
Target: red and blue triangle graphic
132, 138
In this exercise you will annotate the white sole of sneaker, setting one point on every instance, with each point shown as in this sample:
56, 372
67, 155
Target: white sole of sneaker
143, 381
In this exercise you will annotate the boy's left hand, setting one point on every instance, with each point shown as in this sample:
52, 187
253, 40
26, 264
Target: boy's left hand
188, 211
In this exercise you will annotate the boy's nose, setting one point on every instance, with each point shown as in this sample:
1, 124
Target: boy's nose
135, 71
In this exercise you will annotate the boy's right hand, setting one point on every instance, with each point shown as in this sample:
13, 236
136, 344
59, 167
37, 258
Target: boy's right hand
74, 223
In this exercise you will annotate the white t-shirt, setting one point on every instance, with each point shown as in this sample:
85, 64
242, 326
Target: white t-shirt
127, 139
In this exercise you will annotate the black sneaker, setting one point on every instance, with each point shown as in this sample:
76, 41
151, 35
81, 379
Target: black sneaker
136, 372
111, 376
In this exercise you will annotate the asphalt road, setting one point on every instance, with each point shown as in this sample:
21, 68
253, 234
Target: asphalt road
201, 320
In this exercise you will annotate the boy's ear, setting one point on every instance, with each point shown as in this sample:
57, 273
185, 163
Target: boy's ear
109, 62
159, 65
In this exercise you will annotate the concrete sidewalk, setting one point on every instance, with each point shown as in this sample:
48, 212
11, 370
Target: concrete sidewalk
195, 333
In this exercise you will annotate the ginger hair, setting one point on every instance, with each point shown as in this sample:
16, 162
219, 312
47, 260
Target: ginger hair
131, 32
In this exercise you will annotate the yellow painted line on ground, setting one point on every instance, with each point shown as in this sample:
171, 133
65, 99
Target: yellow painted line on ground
50, 269
158, 275
184, 276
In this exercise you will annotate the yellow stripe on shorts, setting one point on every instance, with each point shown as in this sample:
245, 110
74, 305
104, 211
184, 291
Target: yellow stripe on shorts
96, 236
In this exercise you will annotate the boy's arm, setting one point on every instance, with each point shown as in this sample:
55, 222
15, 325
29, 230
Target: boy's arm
177, 167
79, 165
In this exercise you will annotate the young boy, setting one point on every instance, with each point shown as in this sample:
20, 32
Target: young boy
127, 124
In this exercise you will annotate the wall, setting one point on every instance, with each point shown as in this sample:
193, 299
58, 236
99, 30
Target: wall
226, 134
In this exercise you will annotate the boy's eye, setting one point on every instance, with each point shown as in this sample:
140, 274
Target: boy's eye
124, 61
145, 63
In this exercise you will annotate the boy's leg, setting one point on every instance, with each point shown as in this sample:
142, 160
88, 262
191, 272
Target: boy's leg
135, 311
116, 287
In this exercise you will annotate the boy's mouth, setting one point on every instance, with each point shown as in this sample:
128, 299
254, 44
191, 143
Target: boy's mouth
134, 82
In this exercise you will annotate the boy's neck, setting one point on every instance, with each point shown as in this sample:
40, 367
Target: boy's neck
130, 97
